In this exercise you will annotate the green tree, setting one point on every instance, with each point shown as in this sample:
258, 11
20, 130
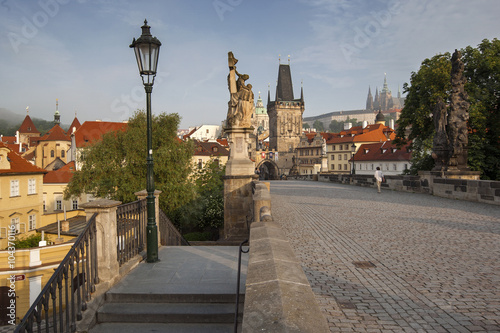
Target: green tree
306, 126
430, 82
30, 241
336, 126
205, 213
318, 126
115, 167
482, 71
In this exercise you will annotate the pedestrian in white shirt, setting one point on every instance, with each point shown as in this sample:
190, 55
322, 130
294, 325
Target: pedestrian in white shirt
379, 177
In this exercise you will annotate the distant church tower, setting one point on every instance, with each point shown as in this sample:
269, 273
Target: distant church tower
285, 113
57, 116
369, 99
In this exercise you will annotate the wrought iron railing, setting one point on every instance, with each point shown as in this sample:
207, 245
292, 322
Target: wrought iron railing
131, 220
64, 297
236, 310
169, 235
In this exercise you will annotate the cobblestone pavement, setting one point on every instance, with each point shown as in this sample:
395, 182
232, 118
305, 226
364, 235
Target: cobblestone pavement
436, 261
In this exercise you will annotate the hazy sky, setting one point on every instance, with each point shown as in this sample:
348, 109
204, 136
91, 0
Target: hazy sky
78, 51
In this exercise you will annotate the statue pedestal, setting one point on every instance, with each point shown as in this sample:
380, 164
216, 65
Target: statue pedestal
240, 172
324, 164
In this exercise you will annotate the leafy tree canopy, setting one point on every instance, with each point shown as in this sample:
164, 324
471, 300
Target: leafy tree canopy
482, 71
115, 167
318, 126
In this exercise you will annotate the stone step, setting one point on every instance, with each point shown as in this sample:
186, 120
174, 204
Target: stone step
172, 298
165, 328
167, 313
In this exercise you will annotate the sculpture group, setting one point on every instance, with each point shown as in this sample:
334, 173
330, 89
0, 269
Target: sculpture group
240, 105
451, 136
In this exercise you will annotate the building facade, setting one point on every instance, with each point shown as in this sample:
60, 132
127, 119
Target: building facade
21, 187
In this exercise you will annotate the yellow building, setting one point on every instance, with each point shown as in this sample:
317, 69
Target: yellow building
21, 200
205, 151
52, 148
54, 183
30, 269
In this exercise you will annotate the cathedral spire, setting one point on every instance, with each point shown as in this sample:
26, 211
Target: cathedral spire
369, 99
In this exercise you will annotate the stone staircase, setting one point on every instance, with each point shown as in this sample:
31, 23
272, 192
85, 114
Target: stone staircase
186, 313
191, 289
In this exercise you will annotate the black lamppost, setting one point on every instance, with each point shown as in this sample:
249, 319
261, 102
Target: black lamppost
147, 50
353, 147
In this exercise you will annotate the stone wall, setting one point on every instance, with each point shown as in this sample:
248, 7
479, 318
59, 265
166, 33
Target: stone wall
278, 296
486, 191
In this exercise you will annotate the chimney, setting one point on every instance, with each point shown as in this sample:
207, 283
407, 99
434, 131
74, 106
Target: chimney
365, 123
391, 124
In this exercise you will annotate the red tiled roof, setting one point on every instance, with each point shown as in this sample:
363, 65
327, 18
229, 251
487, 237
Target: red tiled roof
383, 151
187, 136
373, 133
60, 176
223, 142
56, 133
19, 164
209, 148
8, 139
91, 131
76, 124
28, 126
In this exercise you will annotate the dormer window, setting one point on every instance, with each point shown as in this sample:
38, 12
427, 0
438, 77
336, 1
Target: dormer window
215, 149
367, 151
394, 150
384, 150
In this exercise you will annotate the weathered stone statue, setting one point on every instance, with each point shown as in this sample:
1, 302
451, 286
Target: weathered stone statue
458, 115
451, 136
441, 144
240, 105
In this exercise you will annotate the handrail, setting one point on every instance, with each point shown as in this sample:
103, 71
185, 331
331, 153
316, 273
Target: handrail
169, 234
60, 290
238, 284
131, 223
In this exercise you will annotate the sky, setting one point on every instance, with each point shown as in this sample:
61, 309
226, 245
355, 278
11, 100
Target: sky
77, 51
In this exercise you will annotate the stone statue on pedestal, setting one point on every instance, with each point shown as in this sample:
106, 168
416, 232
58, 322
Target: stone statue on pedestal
451, 136
240, 105
458, 115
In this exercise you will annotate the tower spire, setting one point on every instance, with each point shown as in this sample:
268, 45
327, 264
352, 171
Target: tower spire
57, 116
268, 93
302, 91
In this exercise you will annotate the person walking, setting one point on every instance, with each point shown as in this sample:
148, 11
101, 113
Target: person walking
379, 177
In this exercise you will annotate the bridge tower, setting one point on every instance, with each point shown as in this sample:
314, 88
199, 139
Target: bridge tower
285, 119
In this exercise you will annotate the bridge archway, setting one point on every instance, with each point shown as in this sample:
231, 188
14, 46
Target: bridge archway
268, 170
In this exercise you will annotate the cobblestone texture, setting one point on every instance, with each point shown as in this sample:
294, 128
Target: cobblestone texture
437, 266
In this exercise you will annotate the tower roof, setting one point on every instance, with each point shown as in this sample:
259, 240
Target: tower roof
284, 90
75, 123
28, 126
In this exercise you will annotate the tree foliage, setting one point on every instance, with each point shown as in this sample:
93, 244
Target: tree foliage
318, 126
206, 211
115, 167
30, 241
482, 71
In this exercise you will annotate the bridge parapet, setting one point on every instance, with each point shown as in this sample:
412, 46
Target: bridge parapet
278, 296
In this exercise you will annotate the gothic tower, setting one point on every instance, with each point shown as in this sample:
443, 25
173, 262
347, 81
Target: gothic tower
369, 99
285, 114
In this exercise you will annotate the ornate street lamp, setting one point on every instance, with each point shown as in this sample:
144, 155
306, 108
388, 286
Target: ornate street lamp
147, 50
353, 147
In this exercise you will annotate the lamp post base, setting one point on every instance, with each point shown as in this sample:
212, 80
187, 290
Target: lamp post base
152, 243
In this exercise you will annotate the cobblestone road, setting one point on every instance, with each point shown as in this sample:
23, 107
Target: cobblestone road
436, 261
